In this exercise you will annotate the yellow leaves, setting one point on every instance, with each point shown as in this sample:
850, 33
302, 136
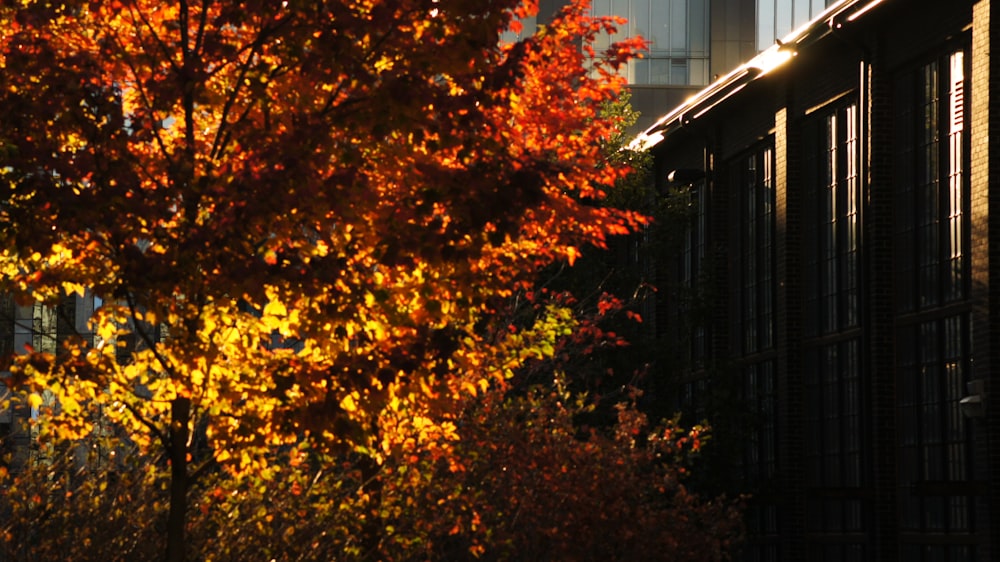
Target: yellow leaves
35, 400
349, 403
69, 404
197, 377
383, 64
572, 253
73, 288
275, 308
377, 330
72, 142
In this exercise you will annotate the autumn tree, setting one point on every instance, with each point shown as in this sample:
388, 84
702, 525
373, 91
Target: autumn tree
529, 486
303, 212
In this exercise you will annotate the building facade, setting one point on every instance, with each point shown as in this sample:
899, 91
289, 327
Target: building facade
843, 180
691, 42
42, 328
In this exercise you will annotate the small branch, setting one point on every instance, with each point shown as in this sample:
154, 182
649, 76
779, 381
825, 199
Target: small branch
221, 136
160, 436
155, 36
198, 472
152, 345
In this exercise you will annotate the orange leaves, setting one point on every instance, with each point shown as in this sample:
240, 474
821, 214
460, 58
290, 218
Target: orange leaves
300, 217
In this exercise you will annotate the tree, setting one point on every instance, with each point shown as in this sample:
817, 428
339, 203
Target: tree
527, 486
304, 213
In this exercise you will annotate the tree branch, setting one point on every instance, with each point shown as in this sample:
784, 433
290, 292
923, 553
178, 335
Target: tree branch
160, 436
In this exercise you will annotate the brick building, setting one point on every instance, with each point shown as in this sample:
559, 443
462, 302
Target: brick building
842, 181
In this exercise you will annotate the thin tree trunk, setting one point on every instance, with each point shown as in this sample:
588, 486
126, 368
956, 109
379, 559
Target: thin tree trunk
180, 413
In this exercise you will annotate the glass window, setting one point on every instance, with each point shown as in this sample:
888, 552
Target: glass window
528, 27
678, 21
757, 465
800, 13
833, 434
691, 272
934, 364
759, 460
932, 229
831, 231
782, 18
766, 33
677, 31
753, 175
6, 329
777, 18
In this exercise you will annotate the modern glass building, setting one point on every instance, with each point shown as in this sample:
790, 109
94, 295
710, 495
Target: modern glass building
777, 18
695, 42
678, 35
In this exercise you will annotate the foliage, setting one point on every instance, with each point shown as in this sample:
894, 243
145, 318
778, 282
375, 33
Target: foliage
548, 491
614, 291
308, 225
304, 213
522, 484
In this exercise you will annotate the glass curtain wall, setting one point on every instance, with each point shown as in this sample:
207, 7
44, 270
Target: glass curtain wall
678, 35
777, 18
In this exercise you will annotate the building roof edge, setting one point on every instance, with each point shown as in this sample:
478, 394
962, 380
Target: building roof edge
783, 51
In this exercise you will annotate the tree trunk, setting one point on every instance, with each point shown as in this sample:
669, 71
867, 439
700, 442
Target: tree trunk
180, 413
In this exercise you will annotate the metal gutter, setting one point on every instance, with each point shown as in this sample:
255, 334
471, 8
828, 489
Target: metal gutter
776, 56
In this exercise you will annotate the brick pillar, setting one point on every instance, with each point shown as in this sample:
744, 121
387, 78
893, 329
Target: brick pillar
984, 174
880, 353
788, 308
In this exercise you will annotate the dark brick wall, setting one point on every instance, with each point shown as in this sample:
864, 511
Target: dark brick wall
788, 238
879, 345
985, 239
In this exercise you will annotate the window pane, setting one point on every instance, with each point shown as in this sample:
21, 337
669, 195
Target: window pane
801, 13
678, 26
782, 18
659, 21
698, 28
765, 24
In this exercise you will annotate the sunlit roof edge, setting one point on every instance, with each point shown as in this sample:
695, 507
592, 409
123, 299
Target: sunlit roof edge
768, 60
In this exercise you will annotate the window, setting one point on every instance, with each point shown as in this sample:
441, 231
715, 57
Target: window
758, 465
678, 34
759, 460
51, 325
832, 354
933, 371
933, 341
529, 26
6, 329
932, 228
691, 272
752, 297
831, 229
777, 18
753, 176
833, 418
